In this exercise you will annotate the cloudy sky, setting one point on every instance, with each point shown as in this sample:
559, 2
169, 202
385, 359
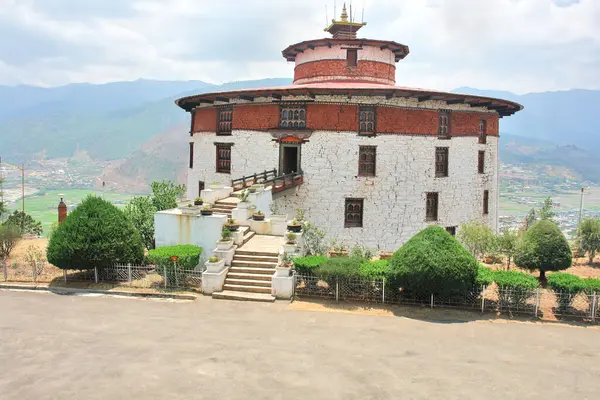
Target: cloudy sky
516, 45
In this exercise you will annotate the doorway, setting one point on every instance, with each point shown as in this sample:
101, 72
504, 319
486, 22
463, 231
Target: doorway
200, 188
289, 158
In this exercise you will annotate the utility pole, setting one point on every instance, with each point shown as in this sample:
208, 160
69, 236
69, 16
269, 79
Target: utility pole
581, 207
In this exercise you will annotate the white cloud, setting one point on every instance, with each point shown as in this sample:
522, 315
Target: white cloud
518, 45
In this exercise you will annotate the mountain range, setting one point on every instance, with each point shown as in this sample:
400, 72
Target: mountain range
136, 128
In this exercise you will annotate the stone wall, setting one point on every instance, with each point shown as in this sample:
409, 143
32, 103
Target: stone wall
336, 70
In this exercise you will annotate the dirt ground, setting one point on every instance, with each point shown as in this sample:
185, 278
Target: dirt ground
20, 249
581, 267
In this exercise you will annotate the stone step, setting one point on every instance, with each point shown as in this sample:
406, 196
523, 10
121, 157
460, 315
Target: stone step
219, 209
249, 235
243, 296
252, 270
251, 276
258, 264
241, 257
256, 253
224, 205
247, 288
247, 282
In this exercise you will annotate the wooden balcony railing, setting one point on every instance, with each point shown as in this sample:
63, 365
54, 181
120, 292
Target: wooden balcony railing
278, 183
247, 181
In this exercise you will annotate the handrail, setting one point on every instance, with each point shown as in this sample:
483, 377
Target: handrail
278, 183
286, 181
250, 180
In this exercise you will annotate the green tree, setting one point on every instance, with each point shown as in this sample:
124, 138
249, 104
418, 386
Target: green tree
433, 261
547, 210
530, 219
25, 223
140, 211
95, 234
477, 237
588, 237
9, 237
165, 194
506, 243
543, 248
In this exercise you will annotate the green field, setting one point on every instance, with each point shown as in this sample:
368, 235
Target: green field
44, 206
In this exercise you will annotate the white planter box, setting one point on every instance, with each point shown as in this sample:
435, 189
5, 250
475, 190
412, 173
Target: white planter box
223, 246
290, 248
183, 203
190, 210
215, 267
282, 271
244, 205
216, 186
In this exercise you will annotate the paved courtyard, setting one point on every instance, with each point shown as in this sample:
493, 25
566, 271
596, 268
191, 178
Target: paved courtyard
82, 347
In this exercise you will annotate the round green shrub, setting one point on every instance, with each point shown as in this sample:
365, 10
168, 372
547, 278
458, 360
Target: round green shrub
374, 269
188, 256
95, 234
515, 279
485, 276
433, 262
591, 285
544, 248
339, 267
307, 265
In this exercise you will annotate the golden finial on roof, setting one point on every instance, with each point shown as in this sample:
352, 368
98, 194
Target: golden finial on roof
344, 16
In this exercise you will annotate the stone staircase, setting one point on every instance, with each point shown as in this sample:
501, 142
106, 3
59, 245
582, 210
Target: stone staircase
223, 208
249, 277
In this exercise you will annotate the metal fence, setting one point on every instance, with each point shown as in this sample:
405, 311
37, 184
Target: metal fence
543, 303
137, 276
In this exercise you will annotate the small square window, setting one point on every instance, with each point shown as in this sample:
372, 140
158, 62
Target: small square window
353, 214
351, 57
441, 162
223, 158
486, 198
292, 116
191, 155
367, 156
481, 162
431, 212
225, 119
366, 120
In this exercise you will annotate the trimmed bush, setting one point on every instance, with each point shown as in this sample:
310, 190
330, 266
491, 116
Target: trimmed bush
307, 265
339, 267
485, 276
189, 256
591, 285
515, 288
544, 248
95, 234
433, 261
566, 286
374, 269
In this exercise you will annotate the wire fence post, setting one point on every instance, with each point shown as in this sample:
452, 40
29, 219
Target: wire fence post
96, 274
594, 305
34, 271
383, 291
483, 289
129, 273
537, 301
337, 290
65, 274
431, 300
165, 275
4, 270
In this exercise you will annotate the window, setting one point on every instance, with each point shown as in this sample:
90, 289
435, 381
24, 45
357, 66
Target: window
451, 230
431, 212
225, 116
486, 198
223, 158
366, 160
191, 155
444, 124
200, 188
353, 213
292, 116
351, 57
482, 131
481, 162
366, 120
441, 162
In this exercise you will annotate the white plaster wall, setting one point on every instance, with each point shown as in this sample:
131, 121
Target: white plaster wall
174, 228
394, 200
338, 52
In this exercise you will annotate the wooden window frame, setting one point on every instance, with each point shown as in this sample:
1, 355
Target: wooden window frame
191, 161
481, 161
298, 120
224, 120
483, 131
364, 166
432, 199
223, 165
442, 166
486, 202
350, 220
444, 124
364, 113
352, 61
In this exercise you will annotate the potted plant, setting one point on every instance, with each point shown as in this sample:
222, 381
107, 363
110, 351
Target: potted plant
294, 226
198, 201
206, 210
252, 189
290, 245
300, 215
338, 249
244, 203
284, 268
215, 264
226, 242
189, 209
258, 216
231, 225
